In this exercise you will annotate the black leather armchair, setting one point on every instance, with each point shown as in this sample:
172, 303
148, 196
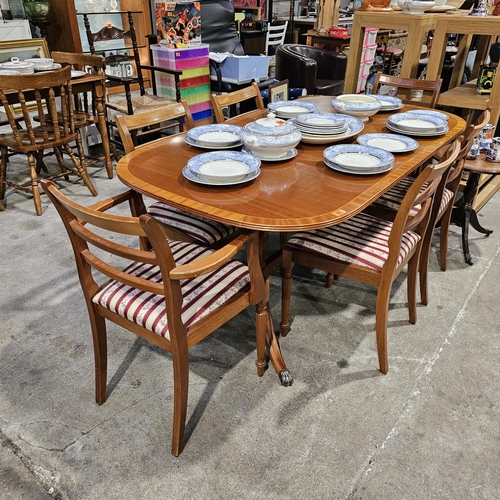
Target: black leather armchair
319, 71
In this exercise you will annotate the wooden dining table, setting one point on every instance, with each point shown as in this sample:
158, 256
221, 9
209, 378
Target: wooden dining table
301, 193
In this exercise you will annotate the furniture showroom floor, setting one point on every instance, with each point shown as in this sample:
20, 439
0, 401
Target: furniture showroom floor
427, 429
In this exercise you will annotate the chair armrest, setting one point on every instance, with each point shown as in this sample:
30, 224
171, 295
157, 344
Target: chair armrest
213, 261
134, 198
163, 70
331, 65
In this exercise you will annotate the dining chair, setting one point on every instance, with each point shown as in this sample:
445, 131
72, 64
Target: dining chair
238, 96
371, 250
44, 99
443, 207
411, 85
181, 225
84, 102
173, 296
275, 36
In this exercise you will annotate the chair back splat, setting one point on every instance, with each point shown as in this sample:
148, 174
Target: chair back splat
50, 94
173, 296
238, 96
411, 85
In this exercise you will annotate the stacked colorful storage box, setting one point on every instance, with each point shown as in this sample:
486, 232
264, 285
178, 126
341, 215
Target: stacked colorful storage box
367, 57
195, 78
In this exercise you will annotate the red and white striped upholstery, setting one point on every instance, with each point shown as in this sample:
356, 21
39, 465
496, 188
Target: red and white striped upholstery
361, 240
203, 230
201, 295
393, 198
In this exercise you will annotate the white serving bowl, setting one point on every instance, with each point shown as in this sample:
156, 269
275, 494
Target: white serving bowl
359, 105
415, 6
41, 63
270, 138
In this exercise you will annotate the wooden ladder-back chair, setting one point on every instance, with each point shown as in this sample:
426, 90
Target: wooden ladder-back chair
431, 87
371, 250
181, 225
223, 100
275, 36
86, 112
50, 95
442, 211
175, 295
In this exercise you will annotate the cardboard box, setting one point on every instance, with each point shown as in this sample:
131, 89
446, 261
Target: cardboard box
242, 69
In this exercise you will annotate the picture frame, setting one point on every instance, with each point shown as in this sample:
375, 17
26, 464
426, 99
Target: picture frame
278, 91
24, 49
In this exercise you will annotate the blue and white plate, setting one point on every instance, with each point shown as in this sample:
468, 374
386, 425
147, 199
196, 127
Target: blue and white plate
430, 112
408, 122
216, 135
223, 166
389, 103
393, 143
321, 120
291, 153
345, 170
191, 176
432, 133
354, 126
357, 157
290, 109
194, 143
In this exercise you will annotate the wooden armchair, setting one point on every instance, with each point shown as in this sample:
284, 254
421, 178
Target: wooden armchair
371, 250
431, 87
173, 296
181, 224
48, 92
232, 98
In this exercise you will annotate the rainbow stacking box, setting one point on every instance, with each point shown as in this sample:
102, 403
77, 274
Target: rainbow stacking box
195, 78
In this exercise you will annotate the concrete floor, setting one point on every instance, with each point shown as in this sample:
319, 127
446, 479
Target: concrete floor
427, 429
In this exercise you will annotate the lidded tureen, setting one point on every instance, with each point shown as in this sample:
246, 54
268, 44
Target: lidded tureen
270, 137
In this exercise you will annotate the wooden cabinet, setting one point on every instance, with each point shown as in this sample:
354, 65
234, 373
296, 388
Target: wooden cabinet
416, 25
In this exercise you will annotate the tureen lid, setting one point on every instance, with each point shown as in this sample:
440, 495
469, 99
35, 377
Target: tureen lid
270, 126
15, 63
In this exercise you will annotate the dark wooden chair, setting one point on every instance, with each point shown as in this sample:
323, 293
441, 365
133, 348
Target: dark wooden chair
50, 95
238, 96
430, 88
371, 250
173, 296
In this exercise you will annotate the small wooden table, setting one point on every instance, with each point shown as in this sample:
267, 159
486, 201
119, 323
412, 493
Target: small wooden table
298, 194
464, 214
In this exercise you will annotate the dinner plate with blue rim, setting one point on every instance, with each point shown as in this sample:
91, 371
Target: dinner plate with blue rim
394, 143
389, 103
345, 170
291, 153
223, 167
191, 176
431, 133
354, 126
290, 109
429, 112
409, 122
214, 136
357, 157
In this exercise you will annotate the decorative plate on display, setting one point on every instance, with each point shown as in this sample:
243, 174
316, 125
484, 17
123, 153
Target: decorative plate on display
291, 153
358, 158
223, 167
215, 136
389, 103
393, 143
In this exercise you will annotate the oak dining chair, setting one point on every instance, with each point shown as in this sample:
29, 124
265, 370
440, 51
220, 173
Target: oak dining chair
44, 99
238, 96
371, 250
180, 224
429, 88
174, 296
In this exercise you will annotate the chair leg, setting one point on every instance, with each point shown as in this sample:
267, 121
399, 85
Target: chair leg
34, 184
3, 170
411, 283
381, 312
260, 328
98, 325
82, 172
286, 291
181, 386
80, 149
443, 237
425, 253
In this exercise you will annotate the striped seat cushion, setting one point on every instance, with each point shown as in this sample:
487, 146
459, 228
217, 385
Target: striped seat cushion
203, 230
202, 295
361, 240
393, 198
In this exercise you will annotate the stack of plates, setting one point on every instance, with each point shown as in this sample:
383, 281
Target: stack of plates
358, 159
217, 136
290, 109
327, 128
389, 103
419, 123
222, 168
